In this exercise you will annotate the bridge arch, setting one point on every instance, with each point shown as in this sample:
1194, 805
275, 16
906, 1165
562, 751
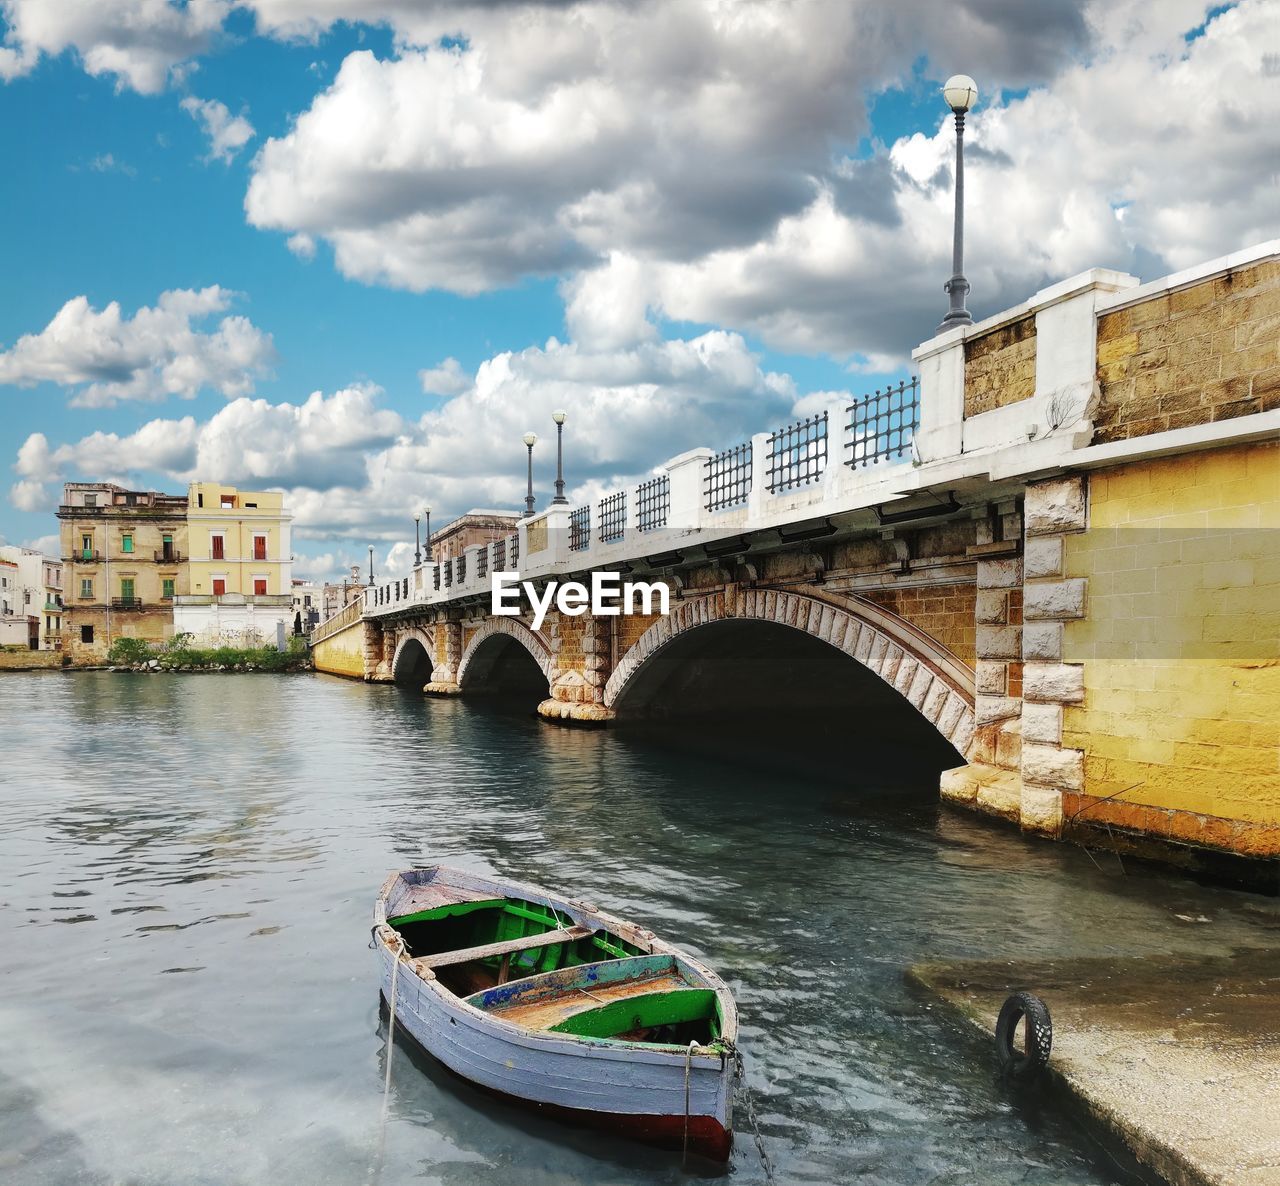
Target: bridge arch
483, 649
414, 655
939, 686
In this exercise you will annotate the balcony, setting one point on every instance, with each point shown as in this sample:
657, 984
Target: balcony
265, 599
126, 603
169, 556
82, 556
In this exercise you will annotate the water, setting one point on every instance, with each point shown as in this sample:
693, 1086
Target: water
187, 872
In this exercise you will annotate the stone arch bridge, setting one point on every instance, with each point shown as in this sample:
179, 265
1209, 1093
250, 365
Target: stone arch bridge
1054, 554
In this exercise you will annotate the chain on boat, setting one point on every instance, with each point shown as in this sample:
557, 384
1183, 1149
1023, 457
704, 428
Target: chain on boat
730, 1050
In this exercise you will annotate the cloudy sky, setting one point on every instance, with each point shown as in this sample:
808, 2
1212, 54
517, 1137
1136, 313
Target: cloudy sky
355, 248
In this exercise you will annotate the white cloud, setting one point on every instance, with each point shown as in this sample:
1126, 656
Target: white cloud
303, 246
138, 42
29, 495
106, 163
227, 133
446, 379
106, 357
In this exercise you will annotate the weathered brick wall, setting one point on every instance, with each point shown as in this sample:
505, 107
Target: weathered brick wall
1179, 719
1204, 353
343, 652
944, 612
1000, 367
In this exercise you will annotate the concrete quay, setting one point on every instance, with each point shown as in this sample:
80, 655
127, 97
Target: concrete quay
1177, 1058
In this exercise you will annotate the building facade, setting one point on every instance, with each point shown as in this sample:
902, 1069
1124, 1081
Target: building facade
469, 530
123, 554
37, 593
241, 565
16, 627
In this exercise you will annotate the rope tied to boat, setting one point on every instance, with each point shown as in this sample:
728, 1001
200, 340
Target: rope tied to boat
688, 1066
398, 947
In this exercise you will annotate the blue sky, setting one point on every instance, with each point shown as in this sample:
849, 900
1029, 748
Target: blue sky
701, 276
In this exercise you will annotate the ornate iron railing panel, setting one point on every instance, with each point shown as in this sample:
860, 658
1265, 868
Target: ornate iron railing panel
728, 477
436, 575
500, 555
881, 425
460, 568
513, 550
482, 562
448, 574
613, 517
797, 454
653, 503
579, 529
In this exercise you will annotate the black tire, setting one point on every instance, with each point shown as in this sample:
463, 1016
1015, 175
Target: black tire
1023, 1065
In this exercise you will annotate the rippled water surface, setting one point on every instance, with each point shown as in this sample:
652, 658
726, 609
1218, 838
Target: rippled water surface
187, 872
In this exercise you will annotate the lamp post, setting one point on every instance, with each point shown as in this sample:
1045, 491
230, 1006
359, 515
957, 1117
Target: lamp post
960, 92
417, 542
427, 512
371, 564
530, 439
559, 418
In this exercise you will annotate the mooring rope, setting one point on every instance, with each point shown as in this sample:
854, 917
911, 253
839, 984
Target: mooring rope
688, 1064
399, 950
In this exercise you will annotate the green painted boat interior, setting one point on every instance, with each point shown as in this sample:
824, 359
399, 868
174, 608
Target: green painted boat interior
461, 925
663, 1018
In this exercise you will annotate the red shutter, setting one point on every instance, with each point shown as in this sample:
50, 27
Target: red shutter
260, 588
259, 547
219, 587
217, 547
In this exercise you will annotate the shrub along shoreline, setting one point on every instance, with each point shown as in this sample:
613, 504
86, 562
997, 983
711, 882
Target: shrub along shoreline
135, 654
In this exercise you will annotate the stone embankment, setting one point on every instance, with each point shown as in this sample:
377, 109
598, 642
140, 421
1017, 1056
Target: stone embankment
1175, 1057
30, 660
157, 666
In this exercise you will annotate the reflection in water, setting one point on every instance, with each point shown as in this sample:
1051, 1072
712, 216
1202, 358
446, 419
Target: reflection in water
217, 842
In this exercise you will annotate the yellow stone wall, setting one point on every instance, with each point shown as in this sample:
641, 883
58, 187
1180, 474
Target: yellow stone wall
1204, 353
342, 653
1000, 367
1181, 647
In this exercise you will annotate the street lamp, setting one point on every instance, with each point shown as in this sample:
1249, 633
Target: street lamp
370, 564
417, 543
960, 92
559, 418
530, 439
427, 512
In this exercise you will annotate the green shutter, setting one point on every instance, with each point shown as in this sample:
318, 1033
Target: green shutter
167, 592
127, 543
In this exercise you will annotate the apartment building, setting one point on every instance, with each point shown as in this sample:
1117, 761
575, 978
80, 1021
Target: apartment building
36, 593
241, 565
123, 555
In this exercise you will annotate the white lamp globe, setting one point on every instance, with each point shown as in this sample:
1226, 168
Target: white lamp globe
530, 439
960, 92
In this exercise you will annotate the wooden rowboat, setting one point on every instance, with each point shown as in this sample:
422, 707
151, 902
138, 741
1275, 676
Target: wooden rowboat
558, 1005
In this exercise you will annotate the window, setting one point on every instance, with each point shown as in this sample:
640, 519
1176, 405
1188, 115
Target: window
86, 587
228, 502
86, 634
219, 586
91, 500
166, 589
253, 506
86, 547
259, 586
217, 551
166, 547
126, 588
126, 543
259, 547
199, 500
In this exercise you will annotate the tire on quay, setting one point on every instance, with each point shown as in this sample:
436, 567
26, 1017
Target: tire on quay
1025, 1065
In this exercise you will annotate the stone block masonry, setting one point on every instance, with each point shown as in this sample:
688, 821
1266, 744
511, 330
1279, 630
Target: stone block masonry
1000, 367
1178, 708
1197, 355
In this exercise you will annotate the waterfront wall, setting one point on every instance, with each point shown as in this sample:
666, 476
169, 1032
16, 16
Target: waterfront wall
1178, 726
30, 660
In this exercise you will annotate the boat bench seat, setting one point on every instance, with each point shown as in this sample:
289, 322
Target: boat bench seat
465, 955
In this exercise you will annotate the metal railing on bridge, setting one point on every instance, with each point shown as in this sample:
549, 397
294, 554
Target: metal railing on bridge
579, 529
797, 454
727, 479
881, 425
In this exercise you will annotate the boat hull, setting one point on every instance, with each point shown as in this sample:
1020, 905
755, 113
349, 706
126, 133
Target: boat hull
706, 1136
